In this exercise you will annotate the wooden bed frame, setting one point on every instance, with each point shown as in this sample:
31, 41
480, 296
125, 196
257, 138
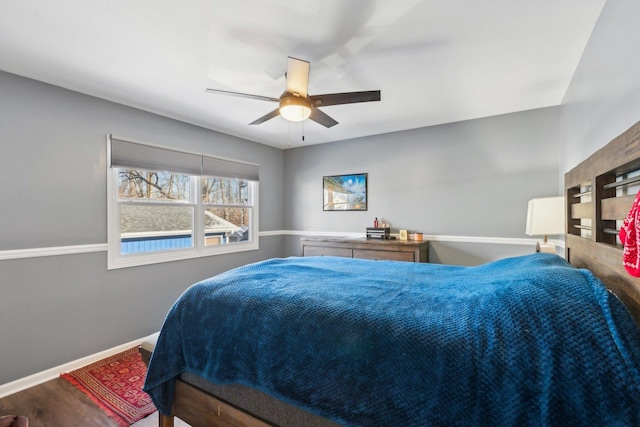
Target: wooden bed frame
200, 409
598, 194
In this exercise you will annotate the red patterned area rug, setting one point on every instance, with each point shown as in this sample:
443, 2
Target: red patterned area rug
115, 384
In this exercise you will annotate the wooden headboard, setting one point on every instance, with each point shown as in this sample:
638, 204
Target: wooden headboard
599, 193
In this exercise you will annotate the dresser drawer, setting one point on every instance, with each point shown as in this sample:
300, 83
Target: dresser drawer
384, 255
326, 251
388, 249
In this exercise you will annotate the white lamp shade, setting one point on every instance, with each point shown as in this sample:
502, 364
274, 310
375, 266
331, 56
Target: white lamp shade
545, 216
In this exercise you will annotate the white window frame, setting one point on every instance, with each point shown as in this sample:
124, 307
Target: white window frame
115, 258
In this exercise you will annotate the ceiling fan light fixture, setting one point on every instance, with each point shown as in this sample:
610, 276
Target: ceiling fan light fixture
295, 108
296, 105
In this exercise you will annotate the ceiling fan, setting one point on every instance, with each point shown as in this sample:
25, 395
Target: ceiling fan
296, 104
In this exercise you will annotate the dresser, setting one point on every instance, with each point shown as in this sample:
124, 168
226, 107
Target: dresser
393, 250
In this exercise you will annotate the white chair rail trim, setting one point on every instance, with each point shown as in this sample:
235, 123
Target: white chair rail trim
102, 247
52, 251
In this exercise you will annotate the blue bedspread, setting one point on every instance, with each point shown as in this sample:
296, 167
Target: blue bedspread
521, 341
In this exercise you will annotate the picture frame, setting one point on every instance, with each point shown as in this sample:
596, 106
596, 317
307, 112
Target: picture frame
344, 192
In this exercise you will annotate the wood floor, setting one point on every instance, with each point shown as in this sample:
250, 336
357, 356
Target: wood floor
55, 403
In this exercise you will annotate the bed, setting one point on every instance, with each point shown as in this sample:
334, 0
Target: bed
324, 341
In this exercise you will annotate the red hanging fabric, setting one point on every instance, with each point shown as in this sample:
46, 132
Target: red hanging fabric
630, 238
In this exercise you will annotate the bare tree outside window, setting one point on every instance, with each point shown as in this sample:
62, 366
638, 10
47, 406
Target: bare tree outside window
225, 201
134, 184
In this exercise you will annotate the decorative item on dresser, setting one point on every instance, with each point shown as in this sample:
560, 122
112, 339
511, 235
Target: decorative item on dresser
379, 249
378, 233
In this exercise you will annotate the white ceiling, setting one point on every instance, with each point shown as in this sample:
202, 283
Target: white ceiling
434, 61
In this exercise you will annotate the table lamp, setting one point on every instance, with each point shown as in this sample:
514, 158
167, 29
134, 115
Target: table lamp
545, 216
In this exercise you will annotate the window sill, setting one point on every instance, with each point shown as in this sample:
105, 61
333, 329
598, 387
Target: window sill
161, 257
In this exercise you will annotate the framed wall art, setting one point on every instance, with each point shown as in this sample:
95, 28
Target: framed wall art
345, 192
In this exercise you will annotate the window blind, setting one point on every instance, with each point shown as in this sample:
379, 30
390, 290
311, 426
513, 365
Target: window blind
135, 155
229, 168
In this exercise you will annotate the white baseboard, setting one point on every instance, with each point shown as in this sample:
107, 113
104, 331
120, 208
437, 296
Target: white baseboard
49, 374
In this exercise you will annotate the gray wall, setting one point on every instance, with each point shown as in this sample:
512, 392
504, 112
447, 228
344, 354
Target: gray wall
604, 97
53, 185
471, 178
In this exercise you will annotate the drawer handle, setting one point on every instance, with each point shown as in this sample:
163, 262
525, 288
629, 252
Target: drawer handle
215, 409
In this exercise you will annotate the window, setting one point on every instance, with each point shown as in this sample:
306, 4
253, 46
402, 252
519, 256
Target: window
155, 211
168, 205
227, 212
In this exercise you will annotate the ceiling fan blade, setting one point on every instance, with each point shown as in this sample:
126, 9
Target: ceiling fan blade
344, 98
322, 118
297, 76
269, 116
243, 95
